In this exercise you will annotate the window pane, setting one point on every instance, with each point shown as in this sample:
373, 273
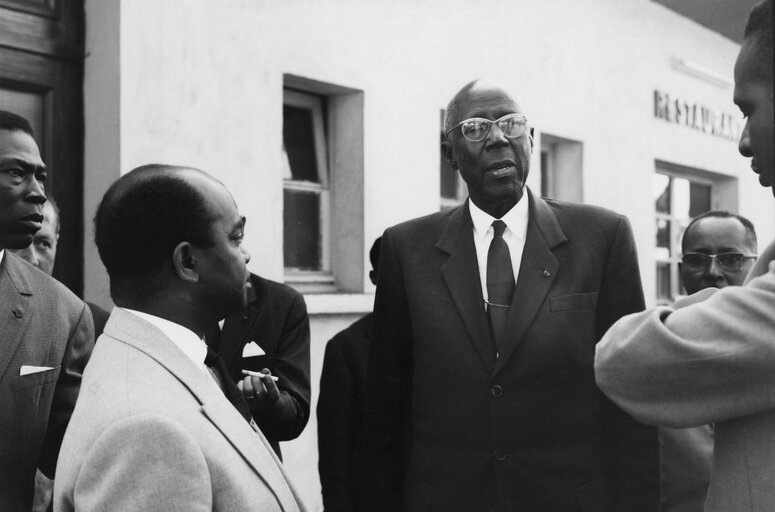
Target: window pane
699, 195
664, 295
301, 232
661, 190
681, 198
299, 143
663, 238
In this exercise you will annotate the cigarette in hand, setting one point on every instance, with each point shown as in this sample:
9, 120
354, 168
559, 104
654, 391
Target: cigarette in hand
259, 374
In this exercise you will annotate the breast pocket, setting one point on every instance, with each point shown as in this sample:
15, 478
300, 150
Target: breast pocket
32, 396
572, 302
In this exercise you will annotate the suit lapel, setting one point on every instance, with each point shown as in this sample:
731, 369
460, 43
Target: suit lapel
461, 276
537, 272
246, 443
15, 310
134, 331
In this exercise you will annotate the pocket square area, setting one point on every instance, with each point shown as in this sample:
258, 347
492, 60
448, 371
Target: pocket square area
28, 369
252, 349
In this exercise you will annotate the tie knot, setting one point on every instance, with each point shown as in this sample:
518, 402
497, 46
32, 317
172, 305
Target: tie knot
498, 227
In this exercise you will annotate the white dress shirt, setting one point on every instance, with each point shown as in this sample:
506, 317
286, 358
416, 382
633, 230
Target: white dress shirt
183, 338
2, 253
516, 228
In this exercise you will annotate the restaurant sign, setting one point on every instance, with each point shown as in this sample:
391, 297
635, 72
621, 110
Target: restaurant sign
696, 116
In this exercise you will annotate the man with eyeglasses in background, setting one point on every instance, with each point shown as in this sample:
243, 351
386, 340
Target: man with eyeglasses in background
719, 249
480, 383
710, 358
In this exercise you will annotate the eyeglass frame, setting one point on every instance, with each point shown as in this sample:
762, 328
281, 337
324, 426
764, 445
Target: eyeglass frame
489, 126
710, 257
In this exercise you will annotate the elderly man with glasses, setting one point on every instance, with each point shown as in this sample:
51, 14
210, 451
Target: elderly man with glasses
480, 386
719, 249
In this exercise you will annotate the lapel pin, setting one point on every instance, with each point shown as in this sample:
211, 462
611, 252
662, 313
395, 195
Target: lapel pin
547, 273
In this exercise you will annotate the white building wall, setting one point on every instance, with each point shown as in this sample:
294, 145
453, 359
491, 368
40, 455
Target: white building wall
200, 83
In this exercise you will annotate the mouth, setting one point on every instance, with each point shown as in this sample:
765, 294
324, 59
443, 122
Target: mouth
500, 169
33, 221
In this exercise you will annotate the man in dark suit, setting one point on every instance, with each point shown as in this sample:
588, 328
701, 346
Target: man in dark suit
341, 407
46, 332
486, 316
270, 336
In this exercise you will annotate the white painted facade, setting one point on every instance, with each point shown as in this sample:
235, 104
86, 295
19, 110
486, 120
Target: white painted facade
200, 83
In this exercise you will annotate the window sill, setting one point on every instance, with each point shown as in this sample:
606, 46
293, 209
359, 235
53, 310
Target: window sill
339, 303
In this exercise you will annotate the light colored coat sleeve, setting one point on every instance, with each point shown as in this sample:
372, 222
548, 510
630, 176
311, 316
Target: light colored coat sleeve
144, 462
707, 362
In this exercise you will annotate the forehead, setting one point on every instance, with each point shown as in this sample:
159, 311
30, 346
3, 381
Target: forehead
219, 201
485, 100
748, 75
19, 145
715, 232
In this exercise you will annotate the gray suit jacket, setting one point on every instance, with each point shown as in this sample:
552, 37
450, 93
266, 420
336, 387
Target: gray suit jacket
152, 432
713, 361
41, 324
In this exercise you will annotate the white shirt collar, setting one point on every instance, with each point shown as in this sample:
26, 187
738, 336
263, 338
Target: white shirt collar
183, 338
2, 255
516, 219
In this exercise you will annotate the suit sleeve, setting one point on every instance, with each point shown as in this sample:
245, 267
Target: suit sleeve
285, 419
632, 449
708, 362
388, 386
79, 346
335, 429
147, 463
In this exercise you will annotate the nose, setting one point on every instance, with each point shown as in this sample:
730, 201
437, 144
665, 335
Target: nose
744, 146
714, 272
495, 136
245, 254
36, 192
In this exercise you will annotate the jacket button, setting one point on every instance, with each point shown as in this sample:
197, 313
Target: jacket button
500, 454
496, 391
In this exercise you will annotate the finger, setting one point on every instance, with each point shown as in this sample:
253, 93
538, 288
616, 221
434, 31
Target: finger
272, 392
248, 388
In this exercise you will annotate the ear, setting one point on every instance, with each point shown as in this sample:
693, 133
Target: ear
184, 262
531, 138
446, 150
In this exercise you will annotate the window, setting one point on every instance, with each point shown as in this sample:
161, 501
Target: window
681, 193
561, 168
323, 246
305, 187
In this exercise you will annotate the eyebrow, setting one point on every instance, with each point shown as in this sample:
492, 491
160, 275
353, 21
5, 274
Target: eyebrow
24, 164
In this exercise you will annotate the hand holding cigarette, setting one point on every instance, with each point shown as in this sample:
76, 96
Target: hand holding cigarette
259, 385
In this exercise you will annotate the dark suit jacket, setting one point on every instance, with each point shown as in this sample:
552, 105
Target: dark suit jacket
41, 324
276, 319
454, 429
340, 416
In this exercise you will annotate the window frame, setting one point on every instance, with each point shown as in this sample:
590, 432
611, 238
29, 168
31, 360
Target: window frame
316, 104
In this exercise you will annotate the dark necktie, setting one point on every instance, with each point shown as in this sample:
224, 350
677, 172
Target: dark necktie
500, 284
218, 368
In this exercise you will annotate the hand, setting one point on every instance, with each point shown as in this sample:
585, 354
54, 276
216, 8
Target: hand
259, 388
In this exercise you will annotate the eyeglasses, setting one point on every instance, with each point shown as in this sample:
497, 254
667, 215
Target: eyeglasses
477, 128
727, 261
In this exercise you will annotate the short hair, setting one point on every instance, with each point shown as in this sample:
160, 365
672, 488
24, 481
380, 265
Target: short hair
750, 232
758, 33
13, 122
374, 253
143, 216
55, 209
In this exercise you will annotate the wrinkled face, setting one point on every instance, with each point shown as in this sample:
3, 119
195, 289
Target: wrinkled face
495, 169
754, 97
714, 235
22, 174
223, 267
42, 251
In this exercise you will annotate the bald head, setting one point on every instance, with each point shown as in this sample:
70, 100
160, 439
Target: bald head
143, 216
475, 87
